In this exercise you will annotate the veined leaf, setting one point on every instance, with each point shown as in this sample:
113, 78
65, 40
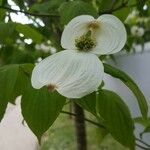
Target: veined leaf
117, 118
69, 10
8, 77
13, 81
116, 73
40, 109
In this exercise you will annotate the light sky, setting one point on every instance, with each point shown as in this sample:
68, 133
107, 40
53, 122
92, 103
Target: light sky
20, 17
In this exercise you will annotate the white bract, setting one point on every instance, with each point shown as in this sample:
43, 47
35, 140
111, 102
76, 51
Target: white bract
77, 71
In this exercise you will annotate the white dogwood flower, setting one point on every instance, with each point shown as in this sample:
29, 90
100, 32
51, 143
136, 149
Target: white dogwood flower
137, 31
77, 71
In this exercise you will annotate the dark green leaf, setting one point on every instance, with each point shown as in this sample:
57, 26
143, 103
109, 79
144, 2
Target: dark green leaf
23, 78
2, 14
116, 117
7, 33
88, 102
8, 77
109, 5
69, 10
147, 129
13, 79
122, 13
140, 4
116, 73
20, 3
105, 5
49, 7
40, 109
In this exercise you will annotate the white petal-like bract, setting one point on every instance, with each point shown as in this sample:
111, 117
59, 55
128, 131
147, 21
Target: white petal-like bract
75, 74
74, 29
111, 36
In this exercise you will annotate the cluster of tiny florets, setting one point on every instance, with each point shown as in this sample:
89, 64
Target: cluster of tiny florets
84, 43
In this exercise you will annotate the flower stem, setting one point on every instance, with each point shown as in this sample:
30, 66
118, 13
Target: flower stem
80, 128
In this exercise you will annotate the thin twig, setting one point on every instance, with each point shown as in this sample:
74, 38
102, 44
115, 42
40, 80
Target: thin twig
27, 13
90, 121
142, 147
101, 126
139, 140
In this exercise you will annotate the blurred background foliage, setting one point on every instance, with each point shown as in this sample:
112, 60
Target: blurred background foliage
30, 30
25, 42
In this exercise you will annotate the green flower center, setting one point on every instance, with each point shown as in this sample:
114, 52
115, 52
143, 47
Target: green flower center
85, 42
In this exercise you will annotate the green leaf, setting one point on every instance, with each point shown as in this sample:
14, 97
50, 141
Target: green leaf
40, 109
122, 14
69, 10
116, 73
142, 121
23, 79
88, 102
108, 5
2, 15
13, 79
29, 32
49, 7
8, 77
105, 5
116, 117
7, 33
147, 129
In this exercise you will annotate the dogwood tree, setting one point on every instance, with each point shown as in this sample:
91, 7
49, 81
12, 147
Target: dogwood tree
60, 56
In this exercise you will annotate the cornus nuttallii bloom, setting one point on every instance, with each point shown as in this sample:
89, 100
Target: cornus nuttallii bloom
137, 31
77, 70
